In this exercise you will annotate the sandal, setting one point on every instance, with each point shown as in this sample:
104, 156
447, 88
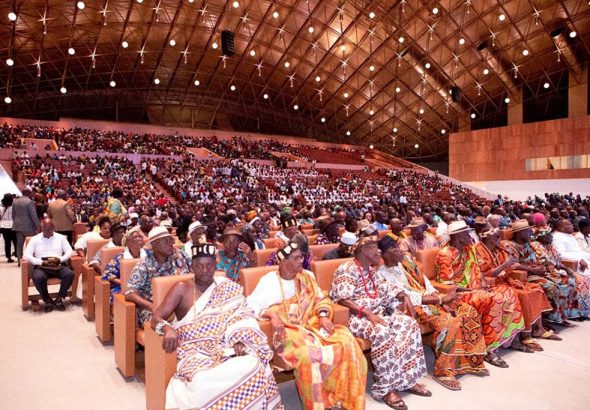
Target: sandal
565, 323
521, 347
449, 382
398, 404
549, 335
419, 390
532, 343
495, 360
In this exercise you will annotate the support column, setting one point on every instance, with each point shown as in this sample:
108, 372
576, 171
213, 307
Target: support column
516, 108
577, 95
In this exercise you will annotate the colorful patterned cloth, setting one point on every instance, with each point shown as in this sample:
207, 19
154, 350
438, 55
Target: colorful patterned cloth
232, 267
113, 269
410, 245
396, 347
206, 375
499, 309
457, 340
146, 269
530, 295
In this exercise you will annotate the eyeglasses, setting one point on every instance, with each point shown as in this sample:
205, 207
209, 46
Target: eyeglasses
296, 258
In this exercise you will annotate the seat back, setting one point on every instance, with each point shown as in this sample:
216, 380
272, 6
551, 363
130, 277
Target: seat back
270, 242
163, 284
306, 226
249, 277
427, 258
311, 238
506, 234
261, 256
80, 228
94, 246
125, 269
324, 271
320, 250
107, 254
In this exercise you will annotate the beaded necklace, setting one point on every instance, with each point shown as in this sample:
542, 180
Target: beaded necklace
494, 258
374, 295
283, 297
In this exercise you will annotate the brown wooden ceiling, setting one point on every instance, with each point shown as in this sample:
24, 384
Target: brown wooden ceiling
347, 40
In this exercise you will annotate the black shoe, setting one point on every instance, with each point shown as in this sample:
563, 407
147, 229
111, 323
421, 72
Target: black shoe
10, 260
48, 307
59, 305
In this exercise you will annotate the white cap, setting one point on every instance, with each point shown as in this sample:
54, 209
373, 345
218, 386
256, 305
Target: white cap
157, 233
194, 226
133, 215
166, 222
348, 238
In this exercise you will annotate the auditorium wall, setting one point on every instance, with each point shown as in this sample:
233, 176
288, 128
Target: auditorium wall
496, 159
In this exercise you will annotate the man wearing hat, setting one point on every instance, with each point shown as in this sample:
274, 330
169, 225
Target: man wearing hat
396, 341
457, 341
213, 307
417, 239
329, 231
330, 369
501, 315
235, 255
196, 233
479, 224
133, 220
165, 260
117, 233
344, 249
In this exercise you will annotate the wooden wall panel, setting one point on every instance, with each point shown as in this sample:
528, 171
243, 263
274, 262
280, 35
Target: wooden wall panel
499, 153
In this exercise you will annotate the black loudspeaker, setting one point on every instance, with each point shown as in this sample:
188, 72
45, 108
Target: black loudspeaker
456, 93
227, 43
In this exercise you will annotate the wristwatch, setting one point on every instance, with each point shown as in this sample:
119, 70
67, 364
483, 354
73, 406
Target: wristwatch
323, 313
160, 327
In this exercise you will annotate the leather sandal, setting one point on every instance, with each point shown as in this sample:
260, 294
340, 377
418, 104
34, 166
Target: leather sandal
449, 382
419, 390
397, 405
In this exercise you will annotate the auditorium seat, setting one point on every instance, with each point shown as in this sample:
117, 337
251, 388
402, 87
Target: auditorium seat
261, 256
88, 274
324, 271
506, 234
102, 292
270, 242
319, 251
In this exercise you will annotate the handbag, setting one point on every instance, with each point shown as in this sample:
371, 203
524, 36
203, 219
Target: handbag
5, 223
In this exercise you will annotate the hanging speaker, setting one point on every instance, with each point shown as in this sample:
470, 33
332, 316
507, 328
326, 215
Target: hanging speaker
227, 43
456, 93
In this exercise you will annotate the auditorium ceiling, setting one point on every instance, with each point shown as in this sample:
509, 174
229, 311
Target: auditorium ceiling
367, 72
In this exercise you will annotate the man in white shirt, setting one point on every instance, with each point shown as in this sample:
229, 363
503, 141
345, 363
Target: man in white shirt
583, 236
47, 252
567, 246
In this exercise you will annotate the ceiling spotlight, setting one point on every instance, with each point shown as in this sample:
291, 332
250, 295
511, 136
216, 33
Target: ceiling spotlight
435, 10
345, 95
502, 17
401, 39
252, 53
343, 48
371, 146
265, 96
506, 100
318, 78
275, 14
443, 131
287, 64
473, 115
172, 43
191, 1
573, 34
7, 100
236, 4
546, 85
348, 133
394, 129
71, 51
233, 88
295, 107
310, 29
525, 52
323, 119
421, 111
397, 89
486, 71
372, 15
427, 66
372, 68
81, 5
113, 83
371, 112
197, 83
12, 16
63, 90
124, 44
461, 41
140, 1
156, 81
9, 62
416, 146
214, 45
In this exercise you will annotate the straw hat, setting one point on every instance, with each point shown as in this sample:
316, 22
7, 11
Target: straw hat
158, 232
417, 222
520, 225
458, 227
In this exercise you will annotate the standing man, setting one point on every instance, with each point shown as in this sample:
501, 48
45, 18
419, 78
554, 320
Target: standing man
47, 252
24, 220
63, 215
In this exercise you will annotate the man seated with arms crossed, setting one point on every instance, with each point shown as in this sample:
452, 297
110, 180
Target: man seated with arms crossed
223, 356
47, 252
165, 260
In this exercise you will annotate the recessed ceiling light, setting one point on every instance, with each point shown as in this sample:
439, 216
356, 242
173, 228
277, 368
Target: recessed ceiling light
394, 129
371, 146
310, 29
295, 107
140, 1
124, 44
525, 52
435, 10
506, 100
236, 4
371, 112
348, 133
397, 89
318, 78
113, 83
12, 16
323, 119
372, 15
486, 71
156, 81
233, 87
7, 100
443, 131
63, 90
214, 45
573, 34
421, 111
343, 48
473, 116
265, 96
252, 53
461, 41
71, 51
287, 64
401, 39
9, 62
81, 5
372, 68
502, 17
416, 146
427, 66
172, 42
197, 83
275, 14
345, 95
546, 85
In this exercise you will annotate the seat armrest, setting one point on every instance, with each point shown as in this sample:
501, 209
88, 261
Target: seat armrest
520, 275
341, 315
442, 287
26, 271
88, 274
570, 263
159, 369
102, 319
124, 328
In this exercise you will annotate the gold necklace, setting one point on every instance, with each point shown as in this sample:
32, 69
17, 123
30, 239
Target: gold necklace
283, 302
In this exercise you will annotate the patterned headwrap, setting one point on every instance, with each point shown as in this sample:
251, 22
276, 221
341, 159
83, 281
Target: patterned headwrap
488, 233
290, 221
540, 232
251, 215
129, 233
286, 251
366, 240
204, 250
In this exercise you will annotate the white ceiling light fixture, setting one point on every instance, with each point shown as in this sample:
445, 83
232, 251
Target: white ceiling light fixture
9, 62
197, 83
265, 96
486, 71
372, 15
12, 16
573, 34
323, 119
233, 87
443, 131
63, 90
397, 89
310, 29
236, 4
348, 133
507, 100
421, 111
372, 68
80, 5
172, 42
345, 95
401, 39
371, 112
525, 52
318, 78
156, 81
427, 66
435, 10
113, 83
371, 146
275, 14
71, 51
124, 44
473, 115
252, 53
502, 17
416, 146
287, 64
7, 100
140, 1
214, 45
546, 85
461, 41
394, 129
295, 107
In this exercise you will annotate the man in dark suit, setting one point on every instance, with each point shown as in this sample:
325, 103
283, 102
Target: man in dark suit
63, 215
24, 220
